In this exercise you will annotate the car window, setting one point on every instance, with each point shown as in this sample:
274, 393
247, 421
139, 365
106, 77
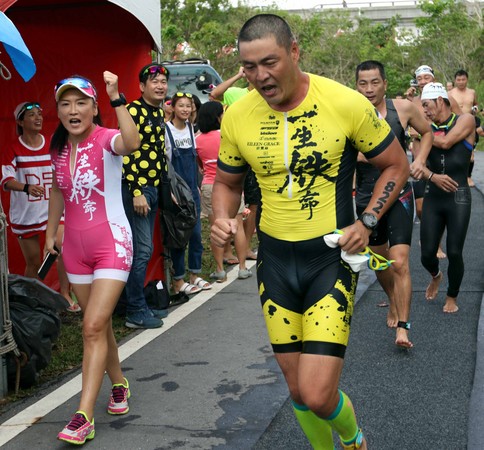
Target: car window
196, 79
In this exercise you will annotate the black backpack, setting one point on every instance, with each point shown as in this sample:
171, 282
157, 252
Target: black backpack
178, 210
36, 324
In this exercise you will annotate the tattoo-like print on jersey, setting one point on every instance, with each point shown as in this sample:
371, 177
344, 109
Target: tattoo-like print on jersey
305, 169
92, 192
84, 182
304, 159
122, 238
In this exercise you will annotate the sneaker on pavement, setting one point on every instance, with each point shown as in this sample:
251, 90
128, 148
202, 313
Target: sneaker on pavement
244, 274
219, 277
118, 402
78, 430
142, 319
160, 313
356, 443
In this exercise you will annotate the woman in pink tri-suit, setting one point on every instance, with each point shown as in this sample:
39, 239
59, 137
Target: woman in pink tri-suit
97, 248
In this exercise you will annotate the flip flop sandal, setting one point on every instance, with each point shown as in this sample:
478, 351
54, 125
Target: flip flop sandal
74, 308
231, 261
189, 289
202, 284
178, 299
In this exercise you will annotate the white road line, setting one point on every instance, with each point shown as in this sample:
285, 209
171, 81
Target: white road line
26, 418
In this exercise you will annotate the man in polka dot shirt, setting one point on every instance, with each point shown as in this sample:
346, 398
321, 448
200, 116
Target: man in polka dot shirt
142, 172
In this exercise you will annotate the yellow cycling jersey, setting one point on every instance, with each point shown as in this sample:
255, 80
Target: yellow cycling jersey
304, 159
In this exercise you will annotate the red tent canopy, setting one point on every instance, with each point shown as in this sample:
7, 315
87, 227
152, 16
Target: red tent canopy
76, 37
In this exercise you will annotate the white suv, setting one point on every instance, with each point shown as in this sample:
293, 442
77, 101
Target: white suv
192, 75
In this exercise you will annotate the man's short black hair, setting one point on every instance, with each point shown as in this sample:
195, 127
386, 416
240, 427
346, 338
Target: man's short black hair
145, 74
370, 64
461, 72
264, 25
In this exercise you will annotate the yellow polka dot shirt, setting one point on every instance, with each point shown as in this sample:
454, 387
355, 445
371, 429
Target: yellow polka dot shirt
143, 166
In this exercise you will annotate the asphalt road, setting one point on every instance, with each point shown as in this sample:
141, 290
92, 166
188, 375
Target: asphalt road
208, 379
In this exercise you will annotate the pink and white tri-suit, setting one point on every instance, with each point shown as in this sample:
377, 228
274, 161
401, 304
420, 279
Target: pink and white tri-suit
97, 235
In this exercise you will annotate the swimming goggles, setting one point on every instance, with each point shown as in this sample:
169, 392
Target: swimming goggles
28, 107
375, 261
444, 126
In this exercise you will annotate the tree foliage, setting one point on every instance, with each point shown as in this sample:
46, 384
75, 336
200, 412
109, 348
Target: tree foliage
449, 37
332, 43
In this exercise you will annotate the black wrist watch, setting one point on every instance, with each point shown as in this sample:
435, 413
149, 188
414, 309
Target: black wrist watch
368, 220
119, 101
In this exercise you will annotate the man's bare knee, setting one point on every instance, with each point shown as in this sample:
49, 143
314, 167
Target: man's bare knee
400, 267
323, 402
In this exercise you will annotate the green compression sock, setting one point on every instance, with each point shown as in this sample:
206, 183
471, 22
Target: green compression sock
317, 430
343, 419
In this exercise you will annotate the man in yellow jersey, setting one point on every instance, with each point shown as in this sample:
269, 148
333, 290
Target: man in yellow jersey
301, 134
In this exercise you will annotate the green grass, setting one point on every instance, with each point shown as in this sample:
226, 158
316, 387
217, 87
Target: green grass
67, 350
66, 353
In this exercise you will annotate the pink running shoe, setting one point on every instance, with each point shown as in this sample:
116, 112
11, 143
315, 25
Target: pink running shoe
118, 402
78, 430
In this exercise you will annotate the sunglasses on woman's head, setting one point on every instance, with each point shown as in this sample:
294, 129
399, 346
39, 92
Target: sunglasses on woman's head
184, 94
79, 83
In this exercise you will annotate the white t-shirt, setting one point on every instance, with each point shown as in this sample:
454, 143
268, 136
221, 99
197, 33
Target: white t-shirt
182, 139
33, 166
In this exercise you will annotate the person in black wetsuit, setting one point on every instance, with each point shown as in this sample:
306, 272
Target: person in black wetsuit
424, 74
393, 235
447, 198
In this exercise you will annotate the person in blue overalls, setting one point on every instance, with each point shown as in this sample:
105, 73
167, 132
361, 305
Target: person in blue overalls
180, 149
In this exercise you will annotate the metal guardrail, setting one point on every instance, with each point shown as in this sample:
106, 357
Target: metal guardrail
373, 4
379, 4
